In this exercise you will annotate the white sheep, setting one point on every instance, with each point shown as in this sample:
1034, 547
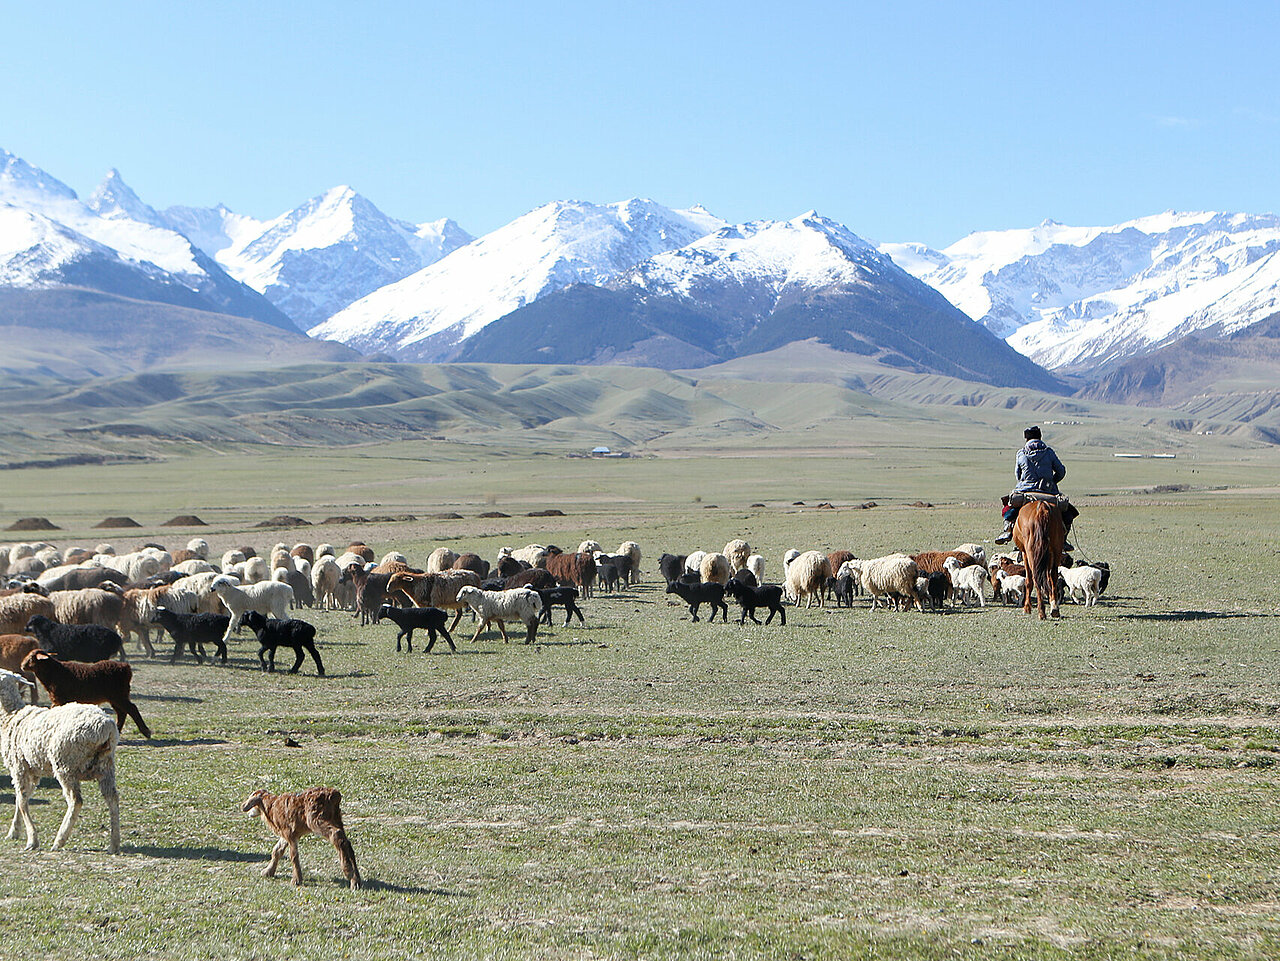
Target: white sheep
976, 551
715, 569
755, 564
194, 566
268, 598
590, 547
441, 559
966, 581
199, 547
325, 550
325, 575
1012, 587
693, 563
737, 550
256, 569
892, 576
532, 554
1085, 581
806, 577
281, 559
522, 604
231, 558
392, 557
73, 743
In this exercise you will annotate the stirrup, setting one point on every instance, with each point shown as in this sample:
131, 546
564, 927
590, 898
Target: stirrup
1005, 537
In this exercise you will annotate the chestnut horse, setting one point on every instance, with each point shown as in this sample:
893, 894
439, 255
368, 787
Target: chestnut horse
1039, 534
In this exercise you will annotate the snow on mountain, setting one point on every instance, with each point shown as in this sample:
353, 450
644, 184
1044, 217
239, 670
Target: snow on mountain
1081, 297
323, 255
428, 314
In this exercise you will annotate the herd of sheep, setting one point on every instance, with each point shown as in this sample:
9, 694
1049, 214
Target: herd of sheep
65, 616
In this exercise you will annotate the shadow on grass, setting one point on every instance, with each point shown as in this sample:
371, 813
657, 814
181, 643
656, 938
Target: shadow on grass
192, 854
1196, 615
372, 884
176, 742
178, 698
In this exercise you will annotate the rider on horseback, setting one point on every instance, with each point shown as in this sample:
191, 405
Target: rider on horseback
1038, 471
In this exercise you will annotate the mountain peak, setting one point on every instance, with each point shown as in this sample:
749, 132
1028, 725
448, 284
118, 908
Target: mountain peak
22, 184
115, 199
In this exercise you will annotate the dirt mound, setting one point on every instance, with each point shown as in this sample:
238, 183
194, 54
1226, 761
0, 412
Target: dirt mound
392, 518
446, 516
346, 519
33, 524
283, 520
117, 522
494, 514
550, 512
184, 520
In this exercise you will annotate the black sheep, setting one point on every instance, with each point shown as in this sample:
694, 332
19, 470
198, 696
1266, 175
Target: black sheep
939, 587
273, 633
671, 566
695, 595
844, 590
565, 597
193, 631
409, 619
607, 575
749, 598
744, 576
75, 642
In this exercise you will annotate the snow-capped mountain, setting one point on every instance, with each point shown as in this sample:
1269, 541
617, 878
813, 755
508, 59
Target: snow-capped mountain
429, 314
750, 288
114, 243
313, 261
1081, 298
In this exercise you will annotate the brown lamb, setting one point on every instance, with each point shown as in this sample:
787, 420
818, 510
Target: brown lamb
292, 816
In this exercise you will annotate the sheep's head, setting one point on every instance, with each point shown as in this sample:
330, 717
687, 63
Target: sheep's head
11, 691
255, 802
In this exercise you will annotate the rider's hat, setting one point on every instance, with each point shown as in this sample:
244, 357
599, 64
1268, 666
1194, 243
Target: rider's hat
1031, 433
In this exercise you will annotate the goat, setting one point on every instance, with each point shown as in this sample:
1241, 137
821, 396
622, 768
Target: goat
291, 816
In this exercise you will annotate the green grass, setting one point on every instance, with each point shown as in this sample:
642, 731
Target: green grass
857, 784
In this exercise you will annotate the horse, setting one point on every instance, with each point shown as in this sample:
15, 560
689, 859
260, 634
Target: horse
1039, 533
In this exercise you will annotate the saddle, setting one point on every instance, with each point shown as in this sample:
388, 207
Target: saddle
1017, 499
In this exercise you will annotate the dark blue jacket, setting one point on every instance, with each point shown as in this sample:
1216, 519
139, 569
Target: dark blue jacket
1038, 468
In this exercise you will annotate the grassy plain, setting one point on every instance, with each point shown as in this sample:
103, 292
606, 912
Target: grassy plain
856, 784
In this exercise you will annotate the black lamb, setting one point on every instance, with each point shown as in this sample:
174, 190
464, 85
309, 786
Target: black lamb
76, 642
749, 598
409, 619
273, 633
671, 566
695, 595
565, 597
193, 631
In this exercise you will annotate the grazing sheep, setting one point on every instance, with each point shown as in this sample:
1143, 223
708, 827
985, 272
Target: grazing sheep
842, 588
744, 576
17, 609
631, 550
607, 575
715, 569
937, 586
73, 743
274, 632
470, 562
565, 597
325, 575
749, 598
435, 590
186, 568
441, 559
409, 619
89, 606
267, 598
590, 547
137, 606
892, 576
536, 577
671, 566
1012, 587
573, 570
14, 649
292, 816
695, 595
76, 642
534, 555
837, 558
325, 550
193, 631
79, 578
371, 591
736, 552
1085, 581
806, 577
521, 603
362, 550
256, 570
507, 566
928, 562
78, 682
231, 558
304, 552
199, 547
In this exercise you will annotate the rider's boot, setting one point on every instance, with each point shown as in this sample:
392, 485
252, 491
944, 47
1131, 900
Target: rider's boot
1006, 535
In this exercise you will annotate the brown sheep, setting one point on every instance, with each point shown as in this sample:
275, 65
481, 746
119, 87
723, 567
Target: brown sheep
361, 550
99, 682
930, 562
14, 649
573, 570
435, 590
92, 605
471, 562
17, 609
305, 551
291, 816
536, 577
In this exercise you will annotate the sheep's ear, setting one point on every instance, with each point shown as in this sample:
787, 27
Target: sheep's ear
254, 801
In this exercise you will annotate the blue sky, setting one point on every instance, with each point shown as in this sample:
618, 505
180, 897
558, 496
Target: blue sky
905, 120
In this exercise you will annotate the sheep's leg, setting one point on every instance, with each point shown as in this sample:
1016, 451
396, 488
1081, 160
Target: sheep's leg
298, 661
137, 719
297, 861
407, 634
502, 629
531, 631
107, 785
70, 791
315, 656
693, 609
457, 616
24, 784
233, 626
479, 627
574, 608
447, 638
276, 853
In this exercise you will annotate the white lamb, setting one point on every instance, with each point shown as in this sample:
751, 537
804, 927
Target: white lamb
520, 604
325, 575
968, 581
73, 743
1085, 581
268, 598
755, 564
693, 563
1012, 587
